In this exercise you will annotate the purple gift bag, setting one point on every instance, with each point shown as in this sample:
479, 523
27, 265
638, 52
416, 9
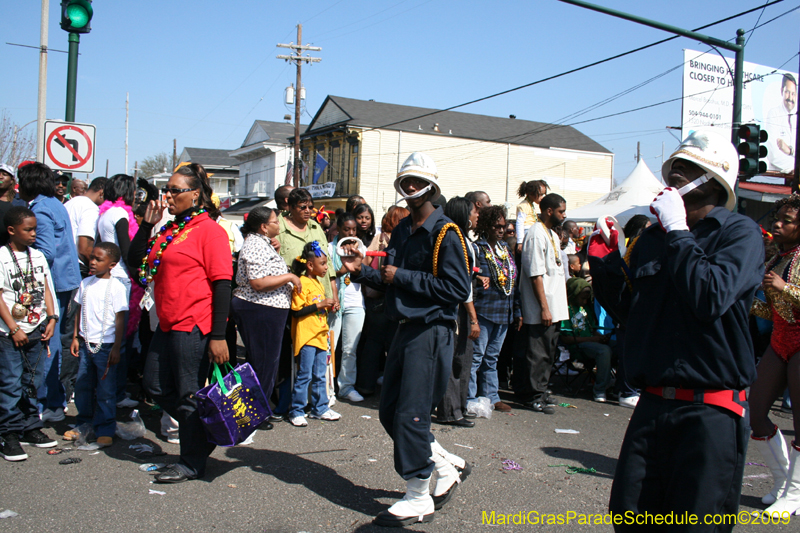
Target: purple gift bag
232, 407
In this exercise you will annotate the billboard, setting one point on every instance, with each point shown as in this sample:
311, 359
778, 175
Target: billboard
769, 99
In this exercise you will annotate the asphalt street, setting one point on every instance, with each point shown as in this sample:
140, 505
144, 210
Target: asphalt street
336, 476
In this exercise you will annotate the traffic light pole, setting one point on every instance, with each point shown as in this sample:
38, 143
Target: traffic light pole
737, 48
72, 76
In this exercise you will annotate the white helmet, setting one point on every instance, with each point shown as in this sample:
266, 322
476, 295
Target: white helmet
714, 153
420, 166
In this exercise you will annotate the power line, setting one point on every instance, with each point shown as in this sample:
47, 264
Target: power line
578, 69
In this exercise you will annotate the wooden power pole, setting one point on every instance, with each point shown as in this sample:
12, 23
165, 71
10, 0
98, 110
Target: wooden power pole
298, 59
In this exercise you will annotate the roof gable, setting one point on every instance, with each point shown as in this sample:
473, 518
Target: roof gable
340, 110
271, 132
209, 157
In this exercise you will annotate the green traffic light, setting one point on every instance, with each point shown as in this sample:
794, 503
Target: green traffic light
78, 15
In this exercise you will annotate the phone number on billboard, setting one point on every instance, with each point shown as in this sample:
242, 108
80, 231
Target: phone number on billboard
710, 116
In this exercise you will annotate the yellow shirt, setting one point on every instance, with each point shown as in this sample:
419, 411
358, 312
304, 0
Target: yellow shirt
312, 329
525, 207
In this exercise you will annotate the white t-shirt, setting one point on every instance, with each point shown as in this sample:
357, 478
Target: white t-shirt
539, 259
352, 296
83, 214
11, 294
95, 290
107, 233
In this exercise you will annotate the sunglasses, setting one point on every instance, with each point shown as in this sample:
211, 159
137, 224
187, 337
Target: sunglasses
305, 207
499, 226
174, 191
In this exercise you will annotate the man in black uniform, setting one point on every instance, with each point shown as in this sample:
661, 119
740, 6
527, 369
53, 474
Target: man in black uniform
684, 293
424, 283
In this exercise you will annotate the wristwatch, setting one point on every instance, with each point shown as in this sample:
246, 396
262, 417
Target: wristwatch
52, 317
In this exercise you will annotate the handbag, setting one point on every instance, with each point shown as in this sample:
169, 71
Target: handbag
233, 406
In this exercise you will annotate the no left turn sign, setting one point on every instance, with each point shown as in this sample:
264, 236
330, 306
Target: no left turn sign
69, 146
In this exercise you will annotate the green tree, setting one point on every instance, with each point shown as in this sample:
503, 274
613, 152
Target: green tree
156, 164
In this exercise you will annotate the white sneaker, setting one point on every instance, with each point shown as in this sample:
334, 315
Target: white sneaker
354, 396
52, 416
298, 421
415, 506
330, 415
331, 400
629, 402
127, 402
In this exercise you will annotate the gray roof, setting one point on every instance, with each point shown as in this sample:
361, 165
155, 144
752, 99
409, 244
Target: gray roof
279, 131
465, 125
211, 157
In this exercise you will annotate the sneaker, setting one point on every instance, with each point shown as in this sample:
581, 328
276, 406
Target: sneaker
52, 416
35, 437
629, 402
10, 448
600, 398
104, 442
540, 407
127, 403
380, 381
354, 396
331, 400
330, 415
298, 421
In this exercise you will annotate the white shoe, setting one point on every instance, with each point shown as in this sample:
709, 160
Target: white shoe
789, 501
629, 401
332, 400
380, 381
298, 421
52, 416
776, 455
127, 402
330, 415
354, 396
415, 506
448, 475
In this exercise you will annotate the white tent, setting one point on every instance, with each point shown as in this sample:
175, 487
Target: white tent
631, 197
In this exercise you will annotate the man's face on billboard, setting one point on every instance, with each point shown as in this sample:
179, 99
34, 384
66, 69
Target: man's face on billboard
789, 95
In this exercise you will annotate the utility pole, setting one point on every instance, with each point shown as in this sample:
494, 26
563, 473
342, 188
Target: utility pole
298, 59
126, 132
638, 151
41, 113
174, 154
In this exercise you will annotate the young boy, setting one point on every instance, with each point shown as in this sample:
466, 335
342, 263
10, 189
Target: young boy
574, 265
102, 301
27, 322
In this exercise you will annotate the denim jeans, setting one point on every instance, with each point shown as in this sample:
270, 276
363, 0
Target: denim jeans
101, 413
176, 368
18, 410
313, 362
484, 381
51, 393
347, 333
601, 353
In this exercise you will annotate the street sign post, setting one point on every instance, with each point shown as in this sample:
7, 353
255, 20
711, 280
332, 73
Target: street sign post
69, 146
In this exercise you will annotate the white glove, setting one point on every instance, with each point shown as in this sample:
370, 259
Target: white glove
669, 209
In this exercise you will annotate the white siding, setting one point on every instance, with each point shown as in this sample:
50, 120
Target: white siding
331, 114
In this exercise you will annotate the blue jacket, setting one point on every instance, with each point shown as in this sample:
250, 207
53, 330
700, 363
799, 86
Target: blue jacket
54, 239
686, 310
417, 294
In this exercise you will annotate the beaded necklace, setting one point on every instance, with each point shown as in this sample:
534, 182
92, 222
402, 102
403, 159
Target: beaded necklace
556, 249
146, 275
106, 303
502, 269
22, 308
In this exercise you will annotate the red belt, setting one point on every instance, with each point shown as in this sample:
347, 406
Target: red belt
721, 398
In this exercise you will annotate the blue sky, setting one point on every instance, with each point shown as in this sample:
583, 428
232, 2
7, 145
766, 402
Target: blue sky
202, 71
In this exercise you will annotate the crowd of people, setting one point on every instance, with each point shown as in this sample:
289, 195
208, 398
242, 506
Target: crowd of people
438, 306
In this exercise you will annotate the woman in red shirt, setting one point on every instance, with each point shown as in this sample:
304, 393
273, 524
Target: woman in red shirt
187, 268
